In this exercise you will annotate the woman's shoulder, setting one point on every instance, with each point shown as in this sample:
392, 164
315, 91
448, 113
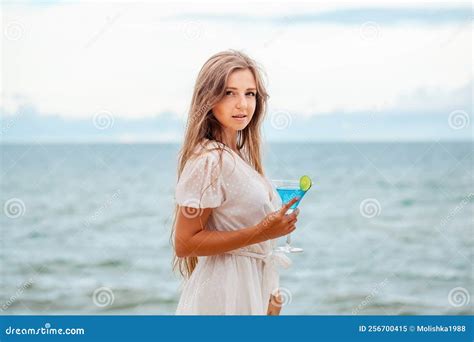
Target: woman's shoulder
210, 157
213, 150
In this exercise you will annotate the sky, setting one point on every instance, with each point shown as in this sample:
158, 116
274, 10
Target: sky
124, 71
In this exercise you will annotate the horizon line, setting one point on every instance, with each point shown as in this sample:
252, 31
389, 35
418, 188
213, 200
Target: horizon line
117, 142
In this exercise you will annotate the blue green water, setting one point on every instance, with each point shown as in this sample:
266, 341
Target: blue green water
387, 230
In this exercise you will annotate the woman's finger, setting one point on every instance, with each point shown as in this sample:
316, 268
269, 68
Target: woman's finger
294, 214
287, 206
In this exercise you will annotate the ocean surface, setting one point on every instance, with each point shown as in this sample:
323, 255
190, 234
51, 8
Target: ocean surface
387, 228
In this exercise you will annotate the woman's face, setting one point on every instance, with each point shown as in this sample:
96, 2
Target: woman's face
235, 110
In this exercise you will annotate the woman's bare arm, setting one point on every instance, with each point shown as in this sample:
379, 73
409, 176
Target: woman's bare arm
191, 239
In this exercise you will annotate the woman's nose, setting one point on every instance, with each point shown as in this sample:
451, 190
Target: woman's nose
242, 102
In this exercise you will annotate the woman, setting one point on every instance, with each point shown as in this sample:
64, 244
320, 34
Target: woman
227, 212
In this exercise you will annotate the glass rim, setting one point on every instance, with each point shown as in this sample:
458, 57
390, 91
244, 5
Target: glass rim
285, 183
286, 180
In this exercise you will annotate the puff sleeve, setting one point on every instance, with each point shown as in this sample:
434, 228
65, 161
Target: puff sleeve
200, 184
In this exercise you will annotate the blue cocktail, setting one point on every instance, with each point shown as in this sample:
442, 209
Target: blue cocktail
289, 189
287, 194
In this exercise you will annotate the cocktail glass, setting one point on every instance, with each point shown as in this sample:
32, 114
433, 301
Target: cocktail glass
289, 189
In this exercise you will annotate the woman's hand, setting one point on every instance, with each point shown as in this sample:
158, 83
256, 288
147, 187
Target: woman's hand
191, 239
278, 223
274, 305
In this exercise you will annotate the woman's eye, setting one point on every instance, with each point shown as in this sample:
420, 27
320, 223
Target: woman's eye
250, 93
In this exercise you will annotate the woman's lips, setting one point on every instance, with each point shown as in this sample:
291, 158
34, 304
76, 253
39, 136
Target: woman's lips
239, 117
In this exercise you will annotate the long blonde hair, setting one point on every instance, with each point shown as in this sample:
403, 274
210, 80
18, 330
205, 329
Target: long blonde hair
202, 124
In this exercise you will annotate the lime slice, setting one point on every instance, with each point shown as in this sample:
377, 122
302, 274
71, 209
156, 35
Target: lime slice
305, 183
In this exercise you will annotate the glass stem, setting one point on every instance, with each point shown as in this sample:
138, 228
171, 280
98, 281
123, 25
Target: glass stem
288, 237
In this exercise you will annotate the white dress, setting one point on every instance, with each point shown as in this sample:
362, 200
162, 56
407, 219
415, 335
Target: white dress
239, 282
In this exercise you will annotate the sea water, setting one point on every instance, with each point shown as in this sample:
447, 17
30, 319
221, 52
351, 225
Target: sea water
386, 228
